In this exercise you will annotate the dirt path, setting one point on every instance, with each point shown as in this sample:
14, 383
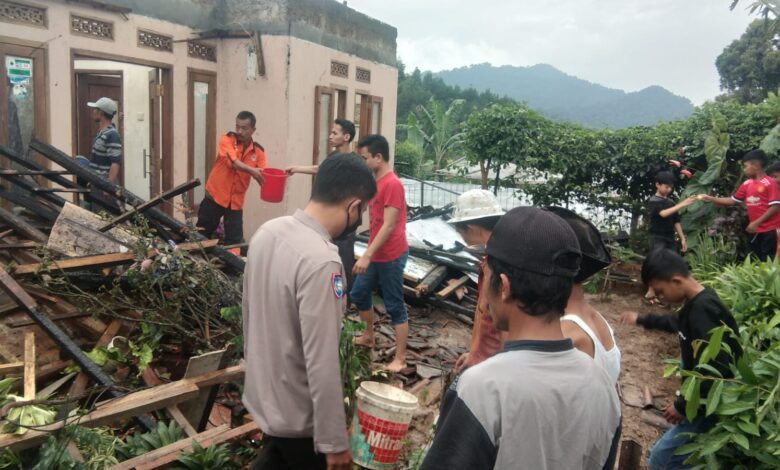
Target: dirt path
641, 364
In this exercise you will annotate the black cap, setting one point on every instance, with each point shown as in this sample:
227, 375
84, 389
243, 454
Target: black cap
595, 255
537, 241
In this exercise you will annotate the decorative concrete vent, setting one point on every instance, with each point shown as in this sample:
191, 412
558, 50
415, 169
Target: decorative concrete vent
339, 69
363, 75
155, 41
91, 27
201, 51
12, 12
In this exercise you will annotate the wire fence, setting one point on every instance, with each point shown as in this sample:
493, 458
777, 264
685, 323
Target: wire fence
439, 194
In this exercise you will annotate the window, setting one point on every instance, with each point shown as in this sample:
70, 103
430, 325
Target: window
202, 130
368, 115
324, 105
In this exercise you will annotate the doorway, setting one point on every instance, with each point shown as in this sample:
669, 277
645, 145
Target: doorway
143, 120
23, 113
201, 103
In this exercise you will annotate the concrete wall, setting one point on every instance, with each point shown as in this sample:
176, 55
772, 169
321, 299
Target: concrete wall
135, 129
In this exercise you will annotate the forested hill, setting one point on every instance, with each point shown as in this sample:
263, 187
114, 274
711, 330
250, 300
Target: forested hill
566, 98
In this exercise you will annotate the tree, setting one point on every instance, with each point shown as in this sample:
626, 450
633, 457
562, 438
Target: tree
749, 67
504, 134
438, 128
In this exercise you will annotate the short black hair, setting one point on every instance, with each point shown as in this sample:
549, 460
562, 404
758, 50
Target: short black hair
773, 168
665, 177
756, 155
537, 294
663, 264
343, 176
347, 127
246, 115
376, 144
109, 116
488, 223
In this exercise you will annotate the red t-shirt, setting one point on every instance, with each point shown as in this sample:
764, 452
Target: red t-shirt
389, 193
758, 195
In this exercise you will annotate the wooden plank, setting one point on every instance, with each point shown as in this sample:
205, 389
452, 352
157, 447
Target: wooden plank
179, 417
199, 365
11, 367
431, 281
451, 287
165, 455
66, 316
111, 411
29, 365
21, 245
100, 261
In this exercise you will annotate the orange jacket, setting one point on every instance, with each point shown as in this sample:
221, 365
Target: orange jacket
226, 185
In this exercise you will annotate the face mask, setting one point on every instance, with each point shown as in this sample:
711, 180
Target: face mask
349, 230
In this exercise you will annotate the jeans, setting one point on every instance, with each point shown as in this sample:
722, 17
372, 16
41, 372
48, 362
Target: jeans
662, 454
389, 277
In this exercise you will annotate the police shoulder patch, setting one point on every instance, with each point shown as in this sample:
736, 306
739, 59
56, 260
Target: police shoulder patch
337, 283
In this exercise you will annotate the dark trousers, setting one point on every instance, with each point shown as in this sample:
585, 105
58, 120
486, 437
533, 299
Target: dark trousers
209, 215
763, 245
288, 454
661, 242
347, 255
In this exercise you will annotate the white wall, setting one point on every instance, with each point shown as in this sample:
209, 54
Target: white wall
135, 131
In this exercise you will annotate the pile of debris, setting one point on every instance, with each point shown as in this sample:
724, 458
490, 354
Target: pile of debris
112, 317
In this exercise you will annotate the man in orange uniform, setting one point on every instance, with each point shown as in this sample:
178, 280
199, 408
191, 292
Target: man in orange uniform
238, 159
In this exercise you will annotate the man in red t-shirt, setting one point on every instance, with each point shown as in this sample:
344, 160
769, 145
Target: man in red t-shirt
385, 258
761, 196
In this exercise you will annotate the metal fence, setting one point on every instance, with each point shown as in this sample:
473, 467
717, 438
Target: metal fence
438, 194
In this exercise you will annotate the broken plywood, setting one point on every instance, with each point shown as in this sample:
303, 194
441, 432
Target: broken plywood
71, 236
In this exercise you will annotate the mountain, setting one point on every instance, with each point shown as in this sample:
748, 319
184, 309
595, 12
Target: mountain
566, 98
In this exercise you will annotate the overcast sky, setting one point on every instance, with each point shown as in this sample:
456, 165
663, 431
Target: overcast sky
625, 44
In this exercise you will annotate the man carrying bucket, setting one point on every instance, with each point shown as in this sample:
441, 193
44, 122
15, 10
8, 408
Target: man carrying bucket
292, 308
238, 159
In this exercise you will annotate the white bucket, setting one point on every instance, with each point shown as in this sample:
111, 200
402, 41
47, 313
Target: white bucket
381, 420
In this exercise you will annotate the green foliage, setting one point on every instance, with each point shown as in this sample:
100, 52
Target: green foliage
747, 405
141, 443
437, 128
709, 255
749, 67
215, 457
97, 446
354, 361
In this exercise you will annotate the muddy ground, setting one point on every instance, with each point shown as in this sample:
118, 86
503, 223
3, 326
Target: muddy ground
641, 365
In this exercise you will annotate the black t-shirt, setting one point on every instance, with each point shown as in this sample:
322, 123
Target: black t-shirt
661, 226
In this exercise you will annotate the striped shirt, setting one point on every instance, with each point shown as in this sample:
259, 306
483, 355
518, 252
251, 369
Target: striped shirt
106, 150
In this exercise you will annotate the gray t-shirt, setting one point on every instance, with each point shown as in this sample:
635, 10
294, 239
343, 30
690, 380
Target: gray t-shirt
540, 405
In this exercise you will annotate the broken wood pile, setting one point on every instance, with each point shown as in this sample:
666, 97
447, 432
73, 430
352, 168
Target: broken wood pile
121, 299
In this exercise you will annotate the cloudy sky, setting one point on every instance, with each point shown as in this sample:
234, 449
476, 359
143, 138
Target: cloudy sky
625, 44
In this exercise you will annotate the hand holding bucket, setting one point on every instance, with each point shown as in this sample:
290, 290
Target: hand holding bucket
273, 188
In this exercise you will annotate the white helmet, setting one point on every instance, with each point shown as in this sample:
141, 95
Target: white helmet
475, 204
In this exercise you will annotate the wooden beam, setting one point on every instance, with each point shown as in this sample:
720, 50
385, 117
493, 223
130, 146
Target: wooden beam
100, 261
79, 384
32, 165
165, 455
179, 417
111, 411
4, 173
66, 316
17, 246
431, 281
452, 287
630, 455
159, 199
21, 227
29, 365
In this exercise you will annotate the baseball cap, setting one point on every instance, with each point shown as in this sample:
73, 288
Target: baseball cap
107, 105
595, 255
537, 241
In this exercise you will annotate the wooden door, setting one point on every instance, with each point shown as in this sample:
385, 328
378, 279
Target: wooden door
23, 113
153, 162
202, 129
90, 87
323, 118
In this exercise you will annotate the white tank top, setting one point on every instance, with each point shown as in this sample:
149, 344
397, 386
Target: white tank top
609, 360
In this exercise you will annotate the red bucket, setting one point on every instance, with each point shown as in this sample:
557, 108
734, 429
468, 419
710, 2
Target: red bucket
273, 188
